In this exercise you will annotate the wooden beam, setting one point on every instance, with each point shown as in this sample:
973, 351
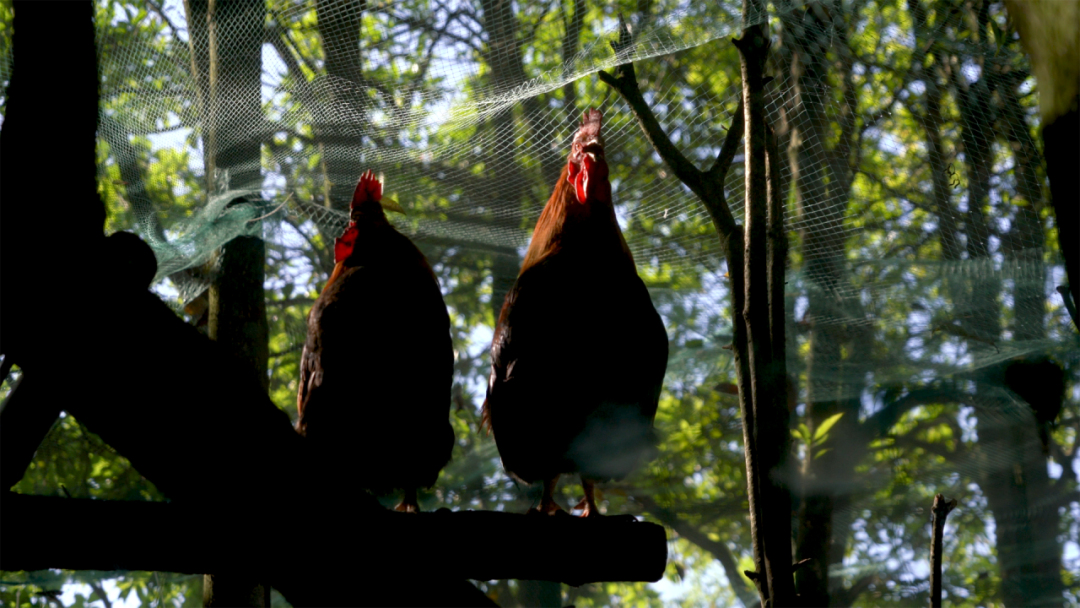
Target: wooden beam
478, 545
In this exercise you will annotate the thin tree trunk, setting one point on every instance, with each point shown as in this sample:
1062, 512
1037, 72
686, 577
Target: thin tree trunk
507, 62
940, 511
571, 44
1018, 489
341, 133
771, 440
931, 123
825, 478
231, 103
1026, 241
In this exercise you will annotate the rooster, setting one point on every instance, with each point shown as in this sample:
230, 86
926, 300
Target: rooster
579, 352
377, 366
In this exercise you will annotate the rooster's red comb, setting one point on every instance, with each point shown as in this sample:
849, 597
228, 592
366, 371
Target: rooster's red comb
591, 121
369, 188
586, 168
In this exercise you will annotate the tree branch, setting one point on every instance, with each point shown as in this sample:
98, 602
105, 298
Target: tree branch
746, 594
847, 597
708, 187
625, 82
906, 441
718, 172
426, 26
102, 595
878, 424
941, 510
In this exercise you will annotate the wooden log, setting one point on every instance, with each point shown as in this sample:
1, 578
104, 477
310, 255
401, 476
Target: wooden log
478, 545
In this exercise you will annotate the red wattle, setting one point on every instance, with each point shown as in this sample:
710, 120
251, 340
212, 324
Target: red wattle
343, 245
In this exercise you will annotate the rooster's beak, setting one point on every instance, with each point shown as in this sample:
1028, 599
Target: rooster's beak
389, 204
592, 148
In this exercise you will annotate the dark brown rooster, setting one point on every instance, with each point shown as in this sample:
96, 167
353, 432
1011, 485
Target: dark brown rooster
579, 353
377, 367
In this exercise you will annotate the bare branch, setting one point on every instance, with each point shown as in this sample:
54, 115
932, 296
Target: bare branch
847, 597
97, 588
158, 8
719, 550
730, 148
425, 25
879, 423
941, 510
708, 187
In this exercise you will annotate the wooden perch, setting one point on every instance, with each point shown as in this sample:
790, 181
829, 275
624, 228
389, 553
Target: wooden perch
231, 462
478, 545
941, 510
206, 435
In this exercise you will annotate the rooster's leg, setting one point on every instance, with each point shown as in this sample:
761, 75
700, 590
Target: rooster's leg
548, 506
588, 504
409, 504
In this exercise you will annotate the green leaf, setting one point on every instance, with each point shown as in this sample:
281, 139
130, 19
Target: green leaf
821, 430
803, 432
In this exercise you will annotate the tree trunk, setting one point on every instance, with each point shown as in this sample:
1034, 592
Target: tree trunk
232, 118
341, 131
771, 440
238, 306
1019, 493
571, 44
1023, 499
823, 180
505, 58
1014, 478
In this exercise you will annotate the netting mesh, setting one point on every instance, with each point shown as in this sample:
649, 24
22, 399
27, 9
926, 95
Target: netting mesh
918, 210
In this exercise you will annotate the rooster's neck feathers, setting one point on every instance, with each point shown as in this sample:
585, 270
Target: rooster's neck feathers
588, 229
